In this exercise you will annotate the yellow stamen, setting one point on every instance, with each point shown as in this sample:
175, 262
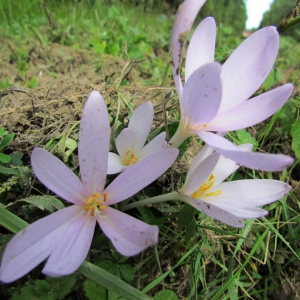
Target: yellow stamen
215, 193
130, 158
95, 203
205, 187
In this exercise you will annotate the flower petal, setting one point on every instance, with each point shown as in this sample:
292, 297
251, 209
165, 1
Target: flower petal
94, 137
225, 167
202, 94
124, 142
71, 251
200, 174
153, 146
215, 212
56, 176
202, 154
253, 111
256, 161
248, 66
184, 20
140, 175
201, 49
35, 243
249, 192
115, 164
140, 125
130, 236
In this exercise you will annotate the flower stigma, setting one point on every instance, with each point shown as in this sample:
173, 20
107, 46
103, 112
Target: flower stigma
95, 203
205, 187
130, 158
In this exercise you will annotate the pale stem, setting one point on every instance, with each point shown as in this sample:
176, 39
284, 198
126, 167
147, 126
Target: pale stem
162, 198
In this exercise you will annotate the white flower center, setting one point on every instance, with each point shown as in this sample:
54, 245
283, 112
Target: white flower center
205, 187
95, 203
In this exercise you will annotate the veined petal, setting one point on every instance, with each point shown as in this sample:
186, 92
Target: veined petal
153, 146
130, 236
251, 112
140, 125
115, 164
35, 243
215, 212
248, 66
249, 192
201, 49
184, 20
140, 175
200, 174
202, 94
94, 137
71, 251
225, 167
124, 142
56, 176
202, 154
256, 161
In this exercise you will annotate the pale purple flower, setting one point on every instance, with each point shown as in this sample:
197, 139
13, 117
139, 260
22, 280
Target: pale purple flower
229, 202
66, 235
215, 98
130, 142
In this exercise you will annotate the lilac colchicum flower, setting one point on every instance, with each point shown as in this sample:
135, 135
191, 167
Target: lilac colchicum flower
228, 202
130, 142
215, 98
66, 235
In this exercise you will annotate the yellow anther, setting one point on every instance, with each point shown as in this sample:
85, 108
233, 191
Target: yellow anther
215, 193
130, 158
94, 203
204, 187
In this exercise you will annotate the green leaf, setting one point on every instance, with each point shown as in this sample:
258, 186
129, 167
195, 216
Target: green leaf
295, 133
4, 158
49, 289
6, 141
9, 171
3, 131
93, 290
127, 272
111, 282
61, 286
16, 159
48, 203
166, 294
10, 220
245, 137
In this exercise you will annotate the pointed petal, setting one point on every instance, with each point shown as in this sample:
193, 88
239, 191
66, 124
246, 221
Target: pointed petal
115, 164
153, 146
253, 111
184, 20
202, 94
130, 236
249, 192
35, 243
94, 136
256, 161
201, 174
201, 49
215, 212
71, 251
248, 66
225, 167
202, 154
140, 125
124, 142
140, 175
56, 176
